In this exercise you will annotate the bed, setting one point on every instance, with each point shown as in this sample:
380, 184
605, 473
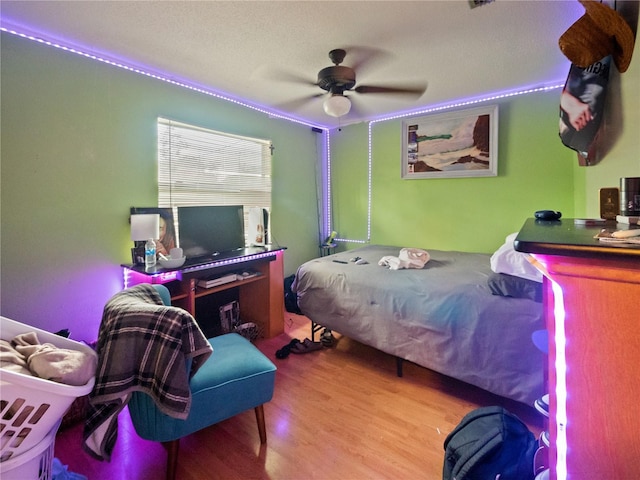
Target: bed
455, 315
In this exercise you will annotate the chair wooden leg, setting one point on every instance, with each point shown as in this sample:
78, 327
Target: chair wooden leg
261, 426
172, 448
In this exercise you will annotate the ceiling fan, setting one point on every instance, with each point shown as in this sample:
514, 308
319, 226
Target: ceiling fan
338, 79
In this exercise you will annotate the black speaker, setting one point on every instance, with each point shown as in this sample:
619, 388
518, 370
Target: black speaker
630, 196
609, 203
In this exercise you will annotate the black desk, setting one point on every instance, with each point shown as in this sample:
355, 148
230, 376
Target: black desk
209, 262
563, 237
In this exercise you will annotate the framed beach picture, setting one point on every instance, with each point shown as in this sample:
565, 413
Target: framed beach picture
463, 143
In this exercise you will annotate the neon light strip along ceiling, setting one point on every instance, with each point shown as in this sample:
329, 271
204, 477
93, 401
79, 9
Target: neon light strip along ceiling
326, 130
560, 365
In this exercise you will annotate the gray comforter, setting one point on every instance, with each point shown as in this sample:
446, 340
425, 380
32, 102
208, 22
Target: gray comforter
443, 316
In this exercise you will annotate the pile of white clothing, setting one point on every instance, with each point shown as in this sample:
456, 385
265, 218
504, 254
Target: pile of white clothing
407, 258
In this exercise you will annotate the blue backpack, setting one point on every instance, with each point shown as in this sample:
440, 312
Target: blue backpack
489, 443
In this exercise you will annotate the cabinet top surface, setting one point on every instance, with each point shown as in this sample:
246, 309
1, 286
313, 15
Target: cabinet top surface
565, 238
197, 264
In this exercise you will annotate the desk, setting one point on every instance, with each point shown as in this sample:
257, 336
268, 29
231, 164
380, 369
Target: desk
594, 353
261, 298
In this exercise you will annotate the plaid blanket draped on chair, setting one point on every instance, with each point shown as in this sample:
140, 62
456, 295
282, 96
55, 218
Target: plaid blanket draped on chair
145, 346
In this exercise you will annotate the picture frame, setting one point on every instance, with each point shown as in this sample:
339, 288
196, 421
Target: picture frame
168, 234
461, 143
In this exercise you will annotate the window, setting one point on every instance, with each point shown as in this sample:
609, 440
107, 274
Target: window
197, 166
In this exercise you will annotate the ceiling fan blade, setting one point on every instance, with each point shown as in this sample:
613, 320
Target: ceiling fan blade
412, 90
298, 102
289, 77
363, 59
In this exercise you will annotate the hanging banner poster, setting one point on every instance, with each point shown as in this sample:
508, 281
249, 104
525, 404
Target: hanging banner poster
582, 106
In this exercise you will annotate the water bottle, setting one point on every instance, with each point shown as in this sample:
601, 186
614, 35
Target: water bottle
150, 253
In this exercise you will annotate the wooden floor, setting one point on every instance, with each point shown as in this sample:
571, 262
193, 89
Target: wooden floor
338, 413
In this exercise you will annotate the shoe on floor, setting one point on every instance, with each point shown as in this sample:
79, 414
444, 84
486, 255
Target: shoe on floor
544, 475
327, 338
286, 350
544, 438
542, 405
306, 346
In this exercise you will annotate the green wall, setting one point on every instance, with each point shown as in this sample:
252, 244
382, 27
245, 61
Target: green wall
619, 147
619, 143
535, 172
79, 149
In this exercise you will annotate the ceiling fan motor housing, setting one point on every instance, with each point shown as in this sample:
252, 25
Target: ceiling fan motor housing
336, 79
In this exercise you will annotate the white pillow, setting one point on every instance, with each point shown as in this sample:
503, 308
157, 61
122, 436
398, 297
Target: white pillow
507, 260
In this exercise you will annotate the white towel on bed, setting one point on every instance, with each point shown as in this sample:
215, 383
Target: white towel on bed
408, 258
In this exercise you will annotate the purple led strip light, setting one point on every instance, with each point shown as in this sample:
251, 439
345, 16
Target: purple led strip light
162, 77
165, 276
231, 261
128, 273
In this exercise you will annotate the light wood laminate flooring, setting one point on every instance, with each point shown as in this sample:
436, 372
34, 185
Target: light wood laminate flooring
338, 413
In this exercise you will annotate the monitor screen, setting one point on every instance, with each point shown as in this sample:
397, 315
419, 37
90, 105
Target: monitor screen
210, 230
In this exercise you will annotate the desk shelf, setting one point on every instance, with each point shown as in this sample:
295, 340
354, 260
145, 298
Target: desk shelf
261, 298
203, 292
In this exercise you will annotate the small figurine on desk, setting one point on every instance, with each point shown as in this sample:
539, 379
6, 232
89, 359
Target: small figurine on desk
329, 240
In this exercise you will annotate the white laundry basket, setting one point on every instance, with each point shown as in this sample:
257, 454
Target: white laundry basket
31, 408
34, 464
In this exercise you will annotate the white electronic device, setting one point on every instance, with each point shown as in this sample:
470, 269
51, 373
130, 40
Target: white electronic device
258, 225
214, 282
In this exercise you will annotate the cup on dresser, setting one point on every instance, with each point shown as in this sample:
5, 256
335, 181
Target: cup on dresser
176, 252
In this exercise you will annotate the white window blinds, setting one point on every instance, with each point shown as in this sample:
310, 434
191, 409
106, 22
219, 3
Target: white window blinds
197, 166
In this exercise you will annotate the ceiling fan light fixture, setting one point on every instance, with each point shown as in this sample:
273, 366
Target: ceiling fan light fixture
337, 105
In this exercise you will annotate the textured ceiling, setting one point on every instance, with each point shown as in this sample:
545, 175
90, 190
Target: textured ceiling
254, 50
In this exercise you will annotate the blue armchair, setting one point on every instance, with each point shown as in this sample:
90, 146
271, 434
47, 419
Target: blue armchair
235, 378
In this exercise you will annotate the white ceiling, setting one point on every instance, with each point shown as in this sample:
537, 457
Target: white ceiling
251, 50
